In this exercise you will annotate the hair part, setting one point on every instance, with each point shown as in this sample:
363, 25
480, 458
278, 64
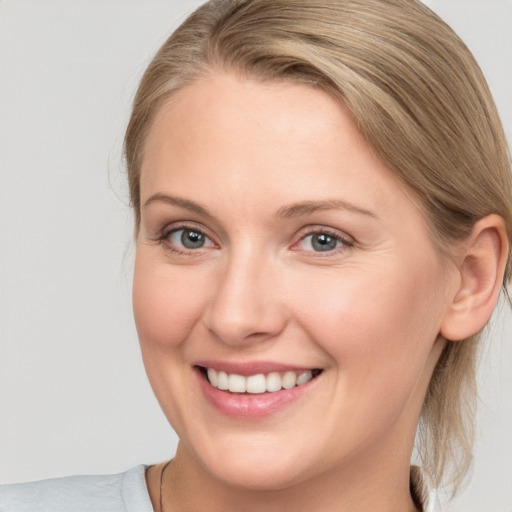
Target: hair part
418, 96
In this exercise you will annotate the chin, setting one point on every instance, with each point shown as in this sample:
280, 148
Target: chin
255, 466
248, 476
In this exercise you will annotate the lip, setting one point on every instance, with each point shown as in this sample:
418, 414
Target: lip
245, 405
250, 368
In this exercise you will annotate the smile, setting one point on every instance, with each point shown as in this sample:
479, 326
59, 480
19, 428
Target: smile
259, 383
254, 390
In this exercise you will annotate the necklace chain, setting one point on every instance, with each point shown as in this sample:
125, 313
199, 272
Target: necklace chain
162, 485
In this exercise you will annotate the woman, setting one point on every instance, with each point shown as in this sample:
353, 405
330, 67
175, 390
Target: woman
323, 214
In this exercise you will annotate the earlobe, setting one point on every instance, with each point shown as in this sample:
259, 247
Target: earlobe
481, 269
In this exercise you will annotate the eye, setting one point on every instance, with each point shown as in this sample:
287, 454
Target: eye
322, 242
186, 238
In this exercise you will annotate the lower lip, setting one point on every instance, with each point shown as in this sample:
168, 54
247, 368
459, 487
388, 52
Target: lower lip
246, 405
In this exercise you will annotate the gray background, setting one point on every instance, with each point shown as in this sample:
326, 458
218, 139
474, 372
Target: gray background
73, 395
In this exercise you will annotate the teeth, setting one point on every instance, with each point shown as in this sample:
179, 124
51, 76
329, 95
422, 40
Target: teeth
257, 384
274, 382
212, 377
222, 381
289, 380
304, 377
236, 383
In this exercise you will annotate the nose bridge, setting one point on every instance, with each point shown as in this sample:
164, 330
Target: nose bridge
245, 306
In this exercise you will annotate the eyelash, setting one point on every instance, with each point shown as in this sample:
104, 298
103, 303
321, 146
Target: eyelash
163, 239
345, 241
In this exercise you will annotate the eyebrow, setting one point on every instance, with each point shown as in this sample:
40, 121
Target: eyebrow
309, 207
289, 211
178, 201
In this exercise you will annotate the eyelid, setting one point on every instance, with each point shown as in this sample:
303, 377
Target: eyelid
162, 237
164, 234
344, 238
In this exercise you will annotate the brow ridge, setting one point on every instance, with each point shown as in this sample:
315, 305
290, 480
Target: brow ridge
187, 204
293, 210
309, 207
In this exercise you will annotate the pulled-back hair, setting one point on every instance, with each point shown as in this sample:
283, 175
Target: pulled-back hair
417, 95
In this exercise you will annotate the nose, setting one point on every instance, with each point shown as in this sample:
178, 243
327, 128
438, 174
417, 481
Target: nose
246, 307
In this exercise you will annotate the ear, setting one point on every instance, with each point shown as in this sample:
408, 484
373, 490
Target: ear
481, 268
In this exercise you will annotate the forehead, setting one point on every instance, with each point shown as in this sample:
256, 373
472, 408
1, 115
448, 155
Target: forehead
270, 113
263, 142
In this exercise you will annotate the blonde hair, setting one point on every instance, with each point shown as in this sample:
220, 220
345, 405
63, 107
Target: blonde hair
416, 93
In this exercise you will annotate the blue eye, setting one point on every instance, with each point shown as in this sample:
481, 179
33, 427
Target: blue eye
321, 242
189, 239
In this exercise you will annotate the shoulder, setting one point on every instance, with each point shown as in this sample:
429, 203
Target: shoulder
123, 492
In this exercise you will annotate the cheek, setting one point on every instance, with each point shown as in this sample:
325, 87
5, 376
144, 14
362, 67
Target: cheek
378, 330
365, 316
166, 306
166, 310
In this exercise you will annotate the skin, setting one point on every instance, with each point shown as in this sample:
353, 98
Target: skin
368, 313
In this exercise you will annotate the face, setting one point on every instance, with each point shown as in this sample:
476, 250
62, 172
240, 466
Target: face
279, 258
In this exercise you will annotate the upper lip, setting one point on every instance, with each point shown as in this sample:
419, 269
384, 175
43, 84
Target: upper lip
251, 368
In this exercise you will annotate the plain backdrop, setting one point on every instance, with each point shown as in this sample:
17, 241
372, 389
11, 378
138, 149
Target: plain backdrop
74, 396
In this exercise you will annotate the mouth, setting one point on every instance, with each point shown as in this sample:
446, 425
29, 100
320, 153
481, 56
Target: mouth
259, 383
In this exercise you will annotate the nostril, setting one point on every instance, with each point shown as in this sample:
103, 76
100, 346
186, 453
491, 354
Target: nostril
258, 336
